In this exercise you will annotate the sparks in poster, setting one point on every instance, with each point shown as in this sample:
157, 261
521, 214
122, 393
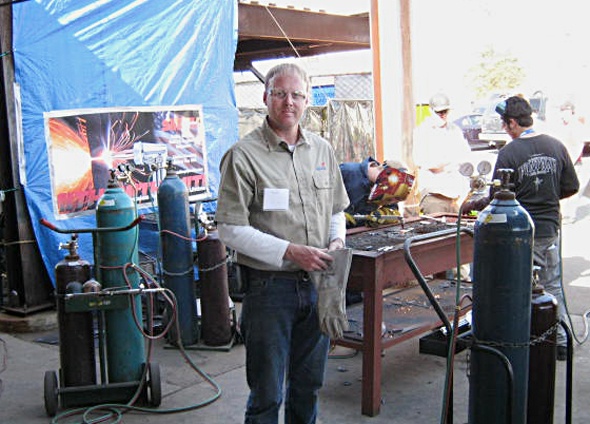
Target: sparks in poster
84, 145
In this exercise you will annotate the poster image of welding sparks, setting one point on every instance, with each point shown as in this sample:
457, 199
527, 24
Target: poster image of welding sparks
84, 145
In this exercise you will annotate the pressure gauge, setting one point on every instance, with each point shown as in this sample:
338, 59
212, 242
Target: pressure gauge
466, 169
484, 167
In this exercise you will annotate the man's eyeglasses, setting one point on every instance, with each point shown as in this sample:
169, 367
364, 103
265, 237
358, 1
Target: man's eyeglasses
281, 94
443, 112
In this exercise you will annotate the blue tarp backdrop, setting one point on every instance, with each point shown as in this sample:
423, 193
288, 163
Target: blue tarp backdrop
80, 54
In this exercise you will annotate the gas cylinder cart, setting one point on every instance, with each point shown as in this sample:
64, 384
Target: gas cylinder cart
114, 298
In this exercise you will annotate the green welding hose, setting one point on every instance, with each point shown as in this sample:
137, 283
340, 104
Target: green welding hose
454, 328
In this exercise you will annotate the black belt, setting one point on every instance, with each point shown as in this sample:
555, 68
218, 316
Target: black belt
286, 275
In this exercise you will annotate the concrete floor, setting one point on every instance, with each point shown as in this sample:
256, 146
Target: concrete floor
411, 383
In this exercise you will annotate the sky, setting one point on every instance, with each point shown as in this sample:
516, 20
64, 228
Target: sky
549, 39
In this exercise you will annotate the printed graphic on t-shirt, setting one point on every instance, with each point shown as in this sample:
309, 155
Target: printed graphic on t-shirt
536, 166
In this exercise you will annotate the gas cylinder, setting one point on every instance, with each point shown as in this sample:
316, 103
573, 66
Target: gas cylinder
125, 344
177, 254
215, 313
503, 245
75, 329
542, 357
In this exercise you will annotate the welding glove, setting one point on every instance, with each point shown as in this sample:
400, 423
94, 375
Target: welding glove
331, 288
383, 215
350, 221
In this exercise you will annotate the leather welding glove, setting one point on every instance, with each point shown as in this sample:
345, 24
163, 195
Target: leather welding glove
331, 288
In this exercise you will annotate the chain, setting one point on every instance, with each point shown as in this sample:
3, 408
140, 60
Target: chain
178, 274
214, 267
532, 342
211, 268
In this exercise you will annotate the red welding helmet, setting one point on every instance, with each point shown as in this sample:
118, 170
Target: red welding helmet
392, 186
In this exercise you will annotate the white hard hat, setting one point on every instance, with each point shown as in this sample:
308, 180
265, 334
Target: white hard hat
439, 101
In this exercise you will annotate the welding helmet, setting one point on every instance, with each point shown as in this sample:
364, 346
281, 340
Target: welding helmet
439, 102
392, 186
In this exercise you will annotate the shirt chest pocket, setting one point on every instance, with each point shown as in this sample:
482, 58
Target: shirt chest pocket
321, 181
323, 190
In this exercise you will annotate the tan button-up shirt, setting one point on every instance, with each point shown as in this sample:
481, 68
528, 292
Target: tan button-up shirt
310, 173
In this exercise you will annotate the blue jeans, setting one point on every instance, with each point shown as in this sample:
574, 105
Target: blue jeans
281, 333
547, 255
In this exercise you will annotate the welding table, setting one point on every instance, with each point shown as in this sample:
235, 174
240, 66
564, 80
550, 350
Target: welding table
374, 271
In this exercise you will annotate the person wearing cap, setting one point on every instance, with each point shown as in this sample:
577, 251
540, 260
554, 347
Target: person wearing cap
439, 149
543, 175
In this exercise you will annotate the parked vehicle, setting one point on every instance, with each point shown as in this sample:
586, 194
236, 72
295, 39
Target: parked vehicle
471, 126
492, 132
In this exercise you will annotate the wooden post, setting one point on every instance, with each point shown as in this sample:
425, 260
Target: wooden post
392, 79
392, 83
29, 286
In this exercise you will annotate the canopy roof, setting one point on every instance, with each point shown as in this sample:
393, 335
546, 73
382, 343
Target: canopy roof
270, 32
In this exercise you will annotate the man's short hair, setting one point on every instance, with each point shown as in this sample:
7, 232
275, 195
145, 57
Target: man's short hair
519, 109
286, 69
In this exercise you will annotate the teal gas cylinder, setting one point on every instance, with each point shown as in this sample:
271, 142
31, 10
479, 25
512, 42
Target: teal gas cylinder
503, 257
125, 345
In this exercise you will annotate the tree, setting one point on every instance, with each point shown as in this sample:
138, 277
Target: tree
496, 73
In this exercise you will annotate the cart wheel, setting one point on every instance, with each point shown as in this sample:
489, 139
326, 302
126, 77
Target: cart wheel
154, 384
50, 393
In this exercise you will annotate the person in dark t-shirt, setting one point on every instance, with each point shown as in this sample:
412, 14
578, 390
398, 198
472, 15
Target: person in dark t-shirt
543, 175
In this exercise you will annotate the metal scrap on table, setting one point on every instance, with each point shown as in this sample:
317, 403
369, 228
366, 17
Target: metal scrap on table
391, 238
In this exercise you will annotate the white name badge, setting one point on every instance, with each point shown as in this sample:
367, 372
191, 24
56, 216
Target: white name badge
275, 199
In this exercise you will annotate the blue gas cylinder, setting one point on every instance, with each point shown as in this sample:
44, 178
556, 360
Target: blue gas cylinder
503, 256
177, 254
125, 344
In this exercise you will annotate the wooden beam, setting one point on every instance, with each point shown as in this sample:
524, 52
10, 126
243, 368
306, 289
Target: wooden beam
269, 22
250, 51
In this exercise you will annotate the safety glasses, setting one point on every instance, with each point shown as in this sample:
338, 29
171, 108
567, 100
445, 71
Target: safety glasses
281, 94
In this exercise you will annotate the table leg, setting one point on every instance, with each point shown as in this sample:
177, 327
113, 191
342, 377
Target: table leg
372, 318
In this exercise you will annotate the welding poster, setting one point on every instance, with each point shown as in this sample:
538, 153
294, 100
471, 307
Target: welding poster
84, 145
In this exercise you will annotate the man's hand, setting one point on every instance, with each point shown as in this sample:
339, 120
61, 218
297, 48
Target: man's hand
307, 257
336, 244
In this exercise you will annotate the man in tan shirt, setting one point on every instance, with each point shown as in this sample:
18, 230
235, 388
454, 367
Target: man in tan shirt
281, 203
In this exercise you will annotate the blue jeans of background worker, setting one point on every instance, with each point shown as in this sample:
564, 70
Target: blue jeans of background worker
279, 324
547, 255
